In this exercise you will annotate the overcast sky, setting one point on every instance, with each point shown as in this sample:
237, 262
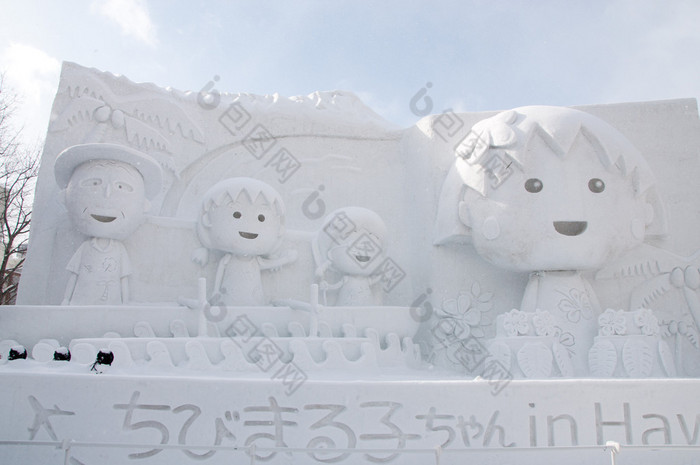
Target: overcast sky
468, 55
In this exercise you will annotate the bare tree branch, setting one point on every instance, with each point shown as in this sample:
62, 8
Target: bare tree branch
18, 171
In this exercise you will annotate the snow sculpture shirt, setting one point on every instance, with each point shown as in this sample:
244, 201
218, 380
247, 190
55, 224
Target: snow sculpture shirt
99, 270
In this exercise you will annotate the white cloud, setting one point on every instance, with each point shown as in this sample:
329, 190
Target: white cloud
132, 16
33, 76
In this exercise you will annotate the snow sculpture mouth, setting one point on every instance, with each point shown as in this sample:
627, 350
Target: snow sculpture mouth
247, 235
362, 258
104, 219
570, 228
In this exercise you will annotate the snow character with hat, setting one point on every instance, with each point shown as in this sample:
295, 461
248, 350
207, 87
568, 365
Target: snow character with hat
107, 188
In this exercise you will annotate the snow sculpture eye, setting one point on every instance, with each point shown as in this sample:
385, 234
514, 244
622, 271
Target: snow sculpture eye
596, 185
533, 185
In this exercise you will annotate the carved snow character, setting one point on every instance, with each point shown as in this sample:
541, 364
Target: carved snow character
244, 219
554, 192
107, 188
351, 244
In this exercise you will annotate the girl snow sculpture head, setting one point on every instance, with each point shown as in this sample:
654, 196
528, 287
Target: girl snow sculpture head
548, 188
241, 216
352, 241
352, 245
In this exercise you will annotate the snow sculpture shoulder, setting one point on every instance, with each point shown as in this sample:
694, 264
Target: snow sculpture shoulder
553, 191
106, 192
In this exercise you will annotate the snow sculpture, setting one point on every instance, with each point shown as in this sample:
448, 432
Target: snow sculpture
351, 243
547, 191
244, 219
107, 188
554, 192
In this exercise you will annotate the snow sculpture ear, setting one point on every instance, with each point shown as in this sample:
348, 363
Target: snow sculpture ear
206, 221
656, 224
449, 226
463, 211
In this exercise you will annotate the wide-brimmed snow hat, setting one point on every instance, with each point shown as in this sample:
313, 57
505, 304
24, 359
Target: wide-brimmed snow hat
72, 157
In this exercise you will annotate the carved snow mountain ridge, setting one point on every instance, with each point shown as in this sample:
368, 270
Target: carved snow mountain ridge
340, 104
330, 107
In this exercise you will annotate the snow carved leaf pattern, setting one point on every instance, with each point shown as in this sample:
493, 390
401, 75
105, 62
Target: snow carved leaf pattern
564, 363
667, 359
637, 358
535, 360
602, 359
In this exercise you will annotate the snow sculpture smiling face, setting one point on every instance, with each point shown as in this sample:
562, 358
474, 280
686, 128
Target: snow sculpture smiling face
553, 189
106, 199
242, 216
352, 242
107, 188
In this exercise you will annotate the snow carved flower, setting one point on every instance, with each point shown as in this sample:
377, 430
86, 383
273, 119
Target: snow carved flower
460, 322
647, 322
544, 323
576, 304
612, 322
515, 323
463, 315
